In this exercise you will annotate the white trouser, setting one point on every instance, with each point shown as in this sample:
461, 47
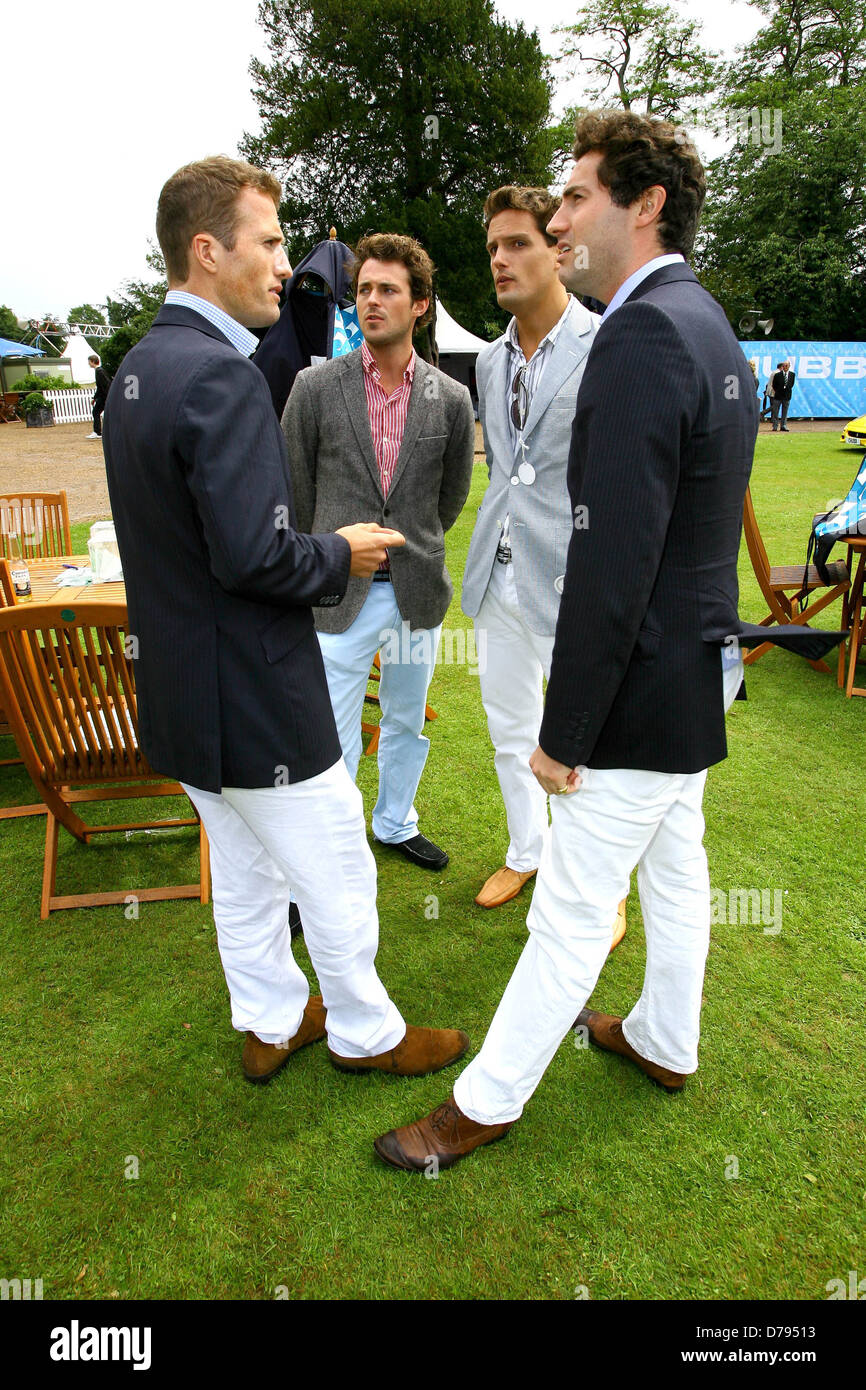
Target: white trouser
511, 691
310, 837
616, 819
407, 661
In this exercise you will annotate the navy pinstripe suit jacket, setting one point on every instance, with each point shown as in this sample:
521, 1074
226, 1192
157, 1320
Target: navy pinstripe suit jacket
661, 451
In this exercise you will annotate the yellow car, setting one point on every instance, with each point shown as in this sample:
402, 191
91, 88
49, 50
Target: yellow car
855, 432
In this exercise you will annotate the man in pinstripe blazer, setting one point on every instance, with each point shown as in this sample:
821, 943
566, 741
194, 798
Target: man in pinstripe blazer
527, 387
646, 657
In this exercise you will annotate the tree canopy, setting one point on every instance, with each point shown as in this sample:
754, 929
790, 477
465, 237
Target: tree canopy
784, 230
642, 55
9, 324
400, 117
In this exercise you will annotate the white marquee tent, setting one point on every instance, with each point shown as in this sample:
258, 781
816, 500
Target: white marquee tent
78, 350
458, 349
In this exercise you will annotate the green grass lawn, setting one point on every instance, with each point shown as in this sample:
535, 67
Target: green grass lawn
118, 1052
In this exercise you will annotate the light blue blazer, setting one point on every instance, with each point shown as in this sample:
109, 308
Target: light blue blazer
541, 520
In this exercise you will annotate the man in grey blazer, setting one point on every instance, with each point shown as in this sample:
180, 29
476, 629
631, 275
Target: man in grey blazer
380, 433
527, 388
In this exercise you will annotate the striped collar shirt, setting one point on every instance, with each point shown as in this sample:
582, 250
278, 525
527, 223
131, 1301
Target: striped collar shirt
387, 414
239, 337
533, 369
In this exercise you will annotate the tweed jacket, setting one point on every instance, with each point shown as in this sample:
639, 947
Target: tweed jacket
541, 519
335, 478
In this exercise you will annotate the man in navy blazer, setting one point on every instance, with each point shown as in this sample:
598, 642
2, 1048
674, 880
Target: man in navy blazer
646, 655
233, 700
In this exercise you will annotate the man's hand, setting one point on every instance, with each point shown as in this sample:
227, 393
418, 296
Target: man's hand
370, 544
556, 778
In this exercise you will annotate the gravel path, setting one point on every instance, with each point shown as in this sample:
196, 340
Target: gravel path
46, 460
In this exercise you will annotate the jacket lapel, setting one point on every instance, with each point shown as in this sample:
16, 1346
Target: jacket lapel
497, 405
418, 412
575, 341
352, 382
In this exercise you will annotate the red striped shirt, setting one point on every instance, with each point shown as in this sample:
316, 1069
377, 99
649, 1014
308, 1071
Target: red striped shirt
387, 414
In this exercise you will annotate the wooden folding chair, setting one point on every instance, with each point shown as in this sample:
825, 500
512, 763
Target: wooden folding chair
783, 586
7, 588
68, 688
373, 699
34, 808
39, 519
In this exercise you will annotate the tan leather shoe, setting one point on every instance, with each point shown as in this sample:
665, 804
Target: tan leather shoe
618, 926
440, 1140
502, 886
422, 1050
263, 1060
605, 1031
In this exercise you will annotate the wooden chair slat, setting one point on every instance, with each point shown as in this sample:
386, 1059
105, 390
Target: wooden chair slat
40, 519
69, 689
120, 692
776, 581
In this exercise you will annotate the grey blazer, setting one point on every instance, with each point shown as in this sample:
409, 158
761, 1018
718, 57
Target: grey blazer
335, 478
541, 520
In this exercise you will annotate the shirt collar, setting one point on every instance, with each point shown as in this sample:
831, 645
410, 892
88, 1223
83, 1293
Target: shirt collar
239, 337
550, 336
371, 366
638, 277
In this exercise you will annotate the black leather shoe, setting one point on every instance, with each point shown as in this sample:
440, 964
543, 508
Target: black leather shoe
421, 851
296, 926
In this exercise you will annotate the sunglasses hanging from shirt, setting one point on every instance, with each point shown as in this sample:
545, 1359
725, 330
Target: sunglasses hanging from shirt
520, 402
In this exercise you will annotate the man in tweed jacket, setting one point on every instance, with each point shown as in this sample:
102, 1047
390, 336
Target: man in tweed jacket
380, 433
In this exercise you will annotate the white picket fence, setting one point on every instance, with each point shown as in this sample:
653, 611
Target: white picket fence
70, 407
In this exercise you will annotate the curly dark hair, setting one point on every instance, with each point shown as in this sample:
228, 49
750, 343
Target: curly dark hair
639, 151
391, 246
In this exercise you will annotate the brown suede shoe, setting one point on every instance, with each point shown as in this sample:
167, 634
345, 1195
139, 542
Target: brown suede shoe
263, 1060
502, 886
618, 927
440, 1140
605, 1031
422, 1050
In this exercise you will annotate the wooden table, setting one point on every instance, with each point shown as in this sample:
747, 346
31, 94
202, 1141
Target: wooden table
853, 616
43, 574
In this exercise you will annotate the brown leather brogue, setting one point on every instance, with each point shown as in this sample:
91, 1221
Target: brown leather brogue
605, 1031
502, 886
440, 1140
618, 926
263, 1060
422, 1050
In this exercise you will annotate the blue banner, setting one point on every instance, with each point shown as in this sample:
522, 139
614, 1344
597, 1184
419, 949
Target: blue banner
830, 377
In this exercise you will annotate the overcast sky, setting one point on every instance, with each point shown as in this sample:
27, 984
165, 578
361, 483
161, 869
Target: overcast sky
106, 100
